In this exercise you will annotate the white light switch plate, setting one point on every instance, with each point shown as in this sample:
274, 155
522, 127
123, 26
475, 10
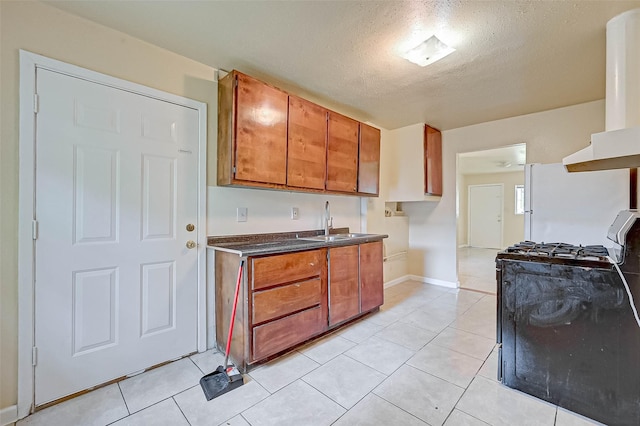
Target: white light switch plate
295, 213
242, 214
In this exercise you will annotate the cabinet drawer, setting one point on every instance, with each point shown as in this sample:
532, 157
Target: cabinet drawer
276, 336
280, 301
283, 268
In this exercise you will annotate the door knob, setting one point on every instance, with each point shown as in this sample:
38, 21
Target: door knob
190, 227
190, 244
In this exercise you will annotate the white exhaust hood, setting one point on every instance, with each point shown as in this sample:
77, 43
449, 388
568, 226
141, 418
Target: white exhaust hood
619, 146
615, 149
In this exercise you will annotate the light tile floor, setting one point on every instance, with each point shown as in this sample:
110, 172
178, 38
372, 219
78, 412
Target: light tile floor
427, 358
477, 269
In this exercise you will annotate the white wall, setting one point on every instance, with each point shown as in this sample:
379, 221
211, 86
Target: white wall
397, 227
270, 211
549, 135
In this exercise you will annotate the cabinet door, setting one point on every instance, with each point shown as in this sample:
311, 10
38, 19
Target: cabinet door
432, 161
371, 280
261, 132
369, 160
307, 149
342, 153
343, 284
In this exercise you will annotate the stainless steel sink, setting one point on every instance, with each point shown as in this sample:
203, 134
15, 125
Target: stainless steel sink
325, 238
355, 235
333, 237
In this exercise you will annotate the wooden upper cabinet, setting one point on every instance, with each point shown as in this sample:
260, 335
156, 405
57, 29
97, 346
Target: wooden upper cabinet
342, 153
432, 161
369, 160
252, 131
307, 149
270, 139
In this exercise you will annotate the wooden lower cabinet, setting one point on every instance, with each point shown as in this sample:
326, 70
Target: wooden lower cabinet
344, 300
355, 281
287, 299
371, 280
283, 303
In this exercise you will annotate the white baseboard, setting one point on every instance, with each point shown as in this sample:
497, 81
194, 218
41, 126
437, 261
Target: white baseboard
8, 415
426, 280
397, 281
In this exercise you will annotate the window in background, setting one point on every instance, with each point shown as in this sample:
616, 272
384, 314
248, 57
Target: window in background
519, 199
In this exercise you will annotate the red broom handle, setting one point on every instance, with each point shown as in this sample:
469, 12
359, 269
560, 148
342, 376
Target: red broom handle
233, 315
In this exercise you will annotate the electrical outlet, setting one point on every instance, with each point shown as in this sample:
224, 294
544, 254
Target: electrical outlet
295, 213
242, 214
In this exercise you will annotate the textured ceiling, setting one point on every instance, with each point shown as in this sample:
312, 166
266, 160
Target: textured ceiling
500, 160
512, 57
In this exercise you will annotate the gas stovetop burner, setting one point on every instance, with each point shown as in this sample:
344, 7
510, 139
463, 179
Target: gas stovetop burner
559, 251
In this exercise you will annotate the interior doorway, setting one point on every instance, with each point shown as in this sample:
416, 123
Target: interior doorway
489, 214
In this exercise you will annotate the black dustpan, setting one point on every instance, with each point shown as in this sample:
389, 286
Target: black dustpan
224, 379
220, 382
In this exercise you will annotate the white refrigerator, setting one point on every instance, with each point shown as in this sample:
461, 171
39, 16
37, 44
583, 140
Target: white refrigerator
575, 208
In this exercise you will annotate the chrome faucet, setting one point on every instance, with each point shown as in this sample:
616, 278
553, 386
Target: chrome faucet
328, 220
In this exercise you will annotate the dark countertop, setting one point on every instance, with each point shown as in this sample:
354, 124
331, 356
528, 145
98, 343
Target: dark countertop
283, 242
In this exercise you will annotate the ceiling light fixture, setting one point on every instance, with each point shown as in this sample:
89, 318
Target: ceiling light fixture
427, 52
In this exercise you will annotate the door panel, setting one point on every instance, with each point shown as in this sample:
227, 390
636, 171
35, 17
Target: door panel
116, 183
158, 197
96, 171
94, 309
158, 297
485, 216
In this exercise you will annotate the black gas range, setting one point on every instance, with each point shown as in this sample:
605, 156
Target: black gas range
567, 324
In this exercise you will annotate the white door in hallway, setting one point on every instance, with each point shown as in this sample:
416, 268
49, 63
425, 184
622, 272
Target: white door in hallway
485, 216
116, 185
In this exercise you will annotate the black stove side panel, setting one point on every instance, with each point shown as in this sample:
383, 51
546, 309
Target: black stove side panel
499, 316
569, 337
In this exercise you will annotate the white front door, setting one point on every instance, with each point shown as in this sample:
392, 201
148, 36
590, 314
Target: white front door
116, 186
485, 216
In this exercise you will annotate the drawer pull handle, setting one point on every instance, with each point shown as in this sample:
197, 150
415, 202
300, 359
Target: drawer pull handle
312, 264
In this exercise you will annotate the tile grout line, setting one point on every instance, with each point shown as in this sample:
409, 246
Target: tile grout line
180, 408
124, 399
400, 408
346, 409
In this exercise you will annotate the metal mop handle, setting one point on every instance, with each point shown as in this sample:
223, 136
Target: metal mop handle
233, 316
